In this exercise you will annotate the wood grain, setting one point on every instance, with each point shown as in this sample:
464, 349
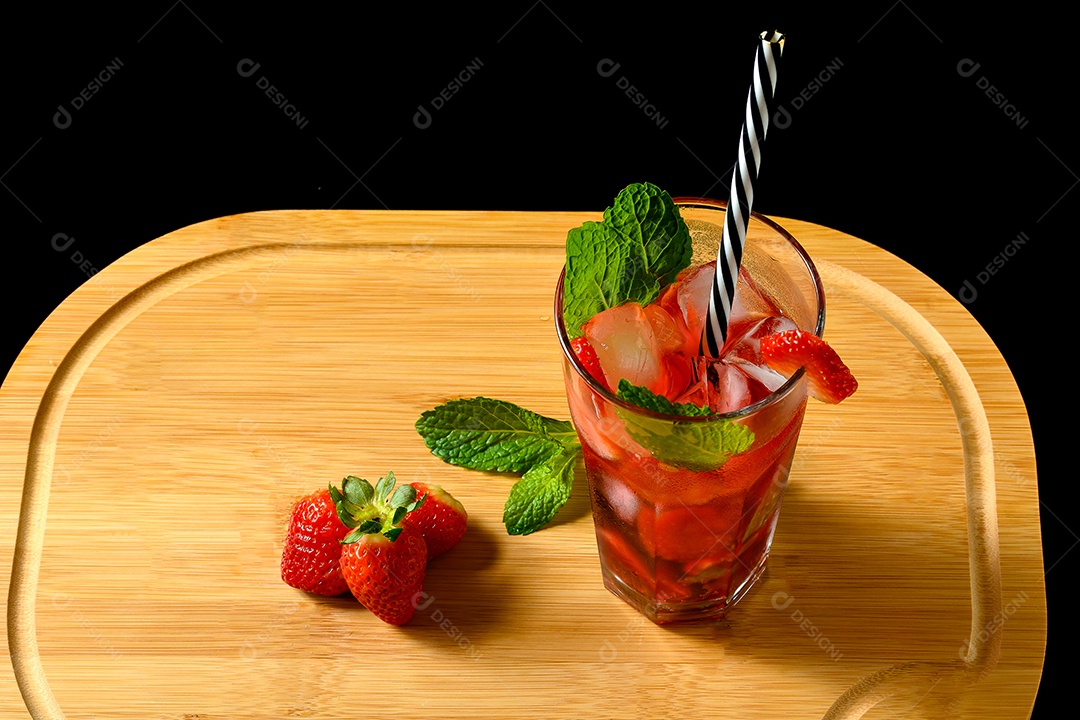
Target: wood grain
204, 381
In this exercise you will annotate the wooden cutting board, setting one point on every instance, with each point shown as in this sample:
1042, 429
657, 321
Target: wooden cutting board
204, 381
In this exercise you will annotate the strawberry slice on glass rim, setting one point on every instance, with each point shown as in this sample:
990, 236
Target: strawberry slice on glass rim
828, 378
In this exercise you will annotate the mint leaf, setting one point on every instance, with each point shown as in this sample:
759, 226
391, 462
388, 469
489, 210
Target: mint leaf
540, 493
601, 273
696, 446
485, 434
643, 397
639, 248
647, 218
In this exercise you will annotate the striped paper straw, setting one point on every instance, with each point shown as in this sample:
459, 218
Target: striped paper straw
758, 108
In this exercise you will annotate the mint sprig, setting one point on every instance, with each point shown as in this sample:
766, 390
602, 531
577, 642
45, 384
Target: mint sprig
696, 446
485, 434
639, 248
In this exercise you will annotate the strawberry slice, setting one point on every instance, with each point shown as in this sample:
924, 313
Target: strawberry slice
829, 378
585, 353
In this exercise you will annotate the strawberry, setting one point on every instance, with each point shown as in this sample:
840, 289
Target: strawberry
829, 378
441, 518
310, 560
385, 575
383, 559
587, 356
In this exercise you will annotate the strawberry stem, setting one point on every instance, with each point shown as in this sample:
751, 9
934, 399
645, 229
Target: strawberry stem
371, 510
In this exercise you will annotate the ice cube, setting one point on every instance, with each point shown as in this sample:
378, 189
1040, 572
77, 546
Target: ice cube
666, 329
621, 498
729, 387
626, 346
698, 391
693, 291
750, 305
744, 350
766, 376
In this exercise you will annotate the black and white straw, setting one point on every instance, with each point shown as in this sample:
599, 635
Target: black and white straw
759, 104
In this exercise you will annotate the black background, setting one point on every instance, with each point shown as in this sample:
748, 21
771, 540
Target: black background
893, 144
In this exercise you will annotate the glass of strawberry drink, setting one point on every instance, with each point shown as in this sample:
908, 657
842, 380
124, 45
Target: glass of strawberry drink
686, 492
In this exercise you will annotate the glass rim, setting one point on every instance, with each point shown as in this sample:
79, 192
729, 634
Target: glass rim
775, 396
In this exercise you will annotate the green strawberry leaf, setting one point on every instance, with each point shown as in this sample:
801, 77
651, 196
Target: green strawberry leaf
485, 434
639, 248
335, 494
384, 486
346, 510
371, 526
352, 537
417, 502
346, 518
357, 490
696, 446
402, 497
540, 493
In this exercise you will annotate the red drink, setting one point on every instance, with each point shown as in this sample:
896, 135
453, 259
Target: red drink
685, 507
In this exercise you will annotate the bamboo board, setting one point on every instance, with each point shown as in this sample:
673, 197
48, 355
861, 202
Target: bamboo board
207, 379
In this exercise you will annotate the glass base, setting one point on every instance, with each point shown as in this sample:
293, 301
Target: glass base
671, 613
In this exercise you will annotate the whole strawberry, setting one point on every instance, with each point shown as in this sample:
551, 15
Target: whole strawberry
310, 560
386, 575
383, 558
441, 519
